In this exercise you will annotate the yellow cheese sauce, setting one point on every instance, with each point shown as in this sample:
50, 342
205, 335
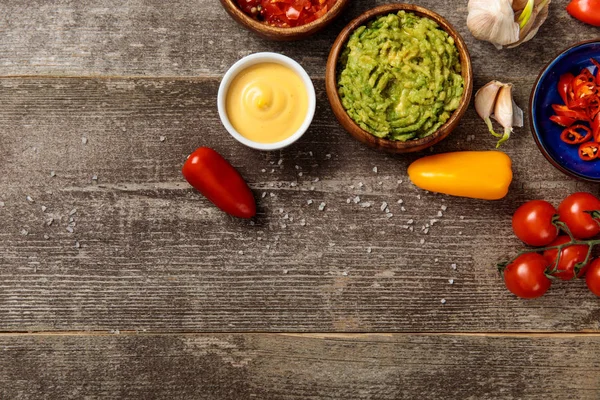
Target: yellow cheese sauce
267, 102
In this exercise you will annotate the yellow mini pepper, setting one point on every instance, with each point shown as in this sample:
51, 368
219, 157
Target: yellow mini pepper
477, 174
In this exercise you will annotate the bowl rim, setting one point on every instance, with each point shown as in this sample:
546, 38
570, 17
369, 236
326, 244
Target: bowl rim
533, 127
390, 145
268, 30
259, 58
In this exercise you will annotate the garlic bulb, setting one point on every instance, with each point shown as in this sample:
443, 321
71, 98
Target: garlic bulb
506, 22
495, 100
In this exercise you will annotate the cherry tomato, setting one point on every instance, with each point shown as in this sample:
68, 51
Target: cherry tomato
526, 276
592, 278
587, 11
576, 134
589, 151
532, 223
570, 256
572, 212
219, 182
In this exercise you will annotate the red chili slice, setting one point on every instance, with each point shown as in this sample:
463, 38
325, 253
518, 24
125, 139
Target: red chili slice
562, 120
563, 86
572, 135
589, 151
565, 111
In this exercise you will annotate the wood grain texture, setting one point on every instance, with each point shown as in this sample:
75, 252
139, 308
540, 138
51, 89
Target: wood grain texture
280, 367
198, 38
155, 255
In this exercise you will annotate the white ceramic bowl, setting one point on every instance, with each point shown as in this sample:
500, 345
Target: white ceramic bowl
259, 58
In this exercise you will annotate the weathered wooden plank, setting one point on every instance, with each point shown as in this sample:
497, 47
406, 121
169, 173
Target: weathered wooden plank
191, 38
259, 366
154, 255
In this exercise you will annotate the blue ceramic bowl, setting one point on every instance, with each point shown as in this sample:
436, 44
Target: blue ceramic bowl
545, 93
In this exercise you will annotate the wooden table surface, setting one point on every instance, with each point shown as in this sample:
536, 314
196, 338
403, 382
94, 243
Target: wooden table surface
132, 285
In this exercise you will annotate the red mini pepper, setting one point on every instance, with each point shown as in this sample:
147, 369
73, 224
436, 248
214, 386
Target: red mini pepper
587, 11
219, 182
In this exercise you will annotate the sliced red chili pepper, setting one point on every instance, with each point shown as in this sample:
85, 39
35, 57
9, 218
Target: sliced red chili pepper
589, 151
562, 120
565, 111
563, 86
595, 125
572, 135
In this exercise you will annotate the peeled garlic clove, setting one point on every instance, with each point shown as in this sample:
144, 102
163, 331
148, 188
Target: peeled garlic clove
504, 112
485, 101
493, 21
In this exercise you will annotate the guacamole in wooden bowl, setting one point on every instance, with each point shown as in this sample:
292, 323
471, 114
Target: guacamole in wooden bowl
399, 76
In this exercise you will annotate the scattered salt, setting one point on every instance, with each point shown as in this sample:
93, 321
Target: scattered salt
328, 156
389, 215
460, 233
369, 250
280, 161
366, 204
444, 207
162, 138
310, 153
44, 208
241, 252
46, 237
443, 301
375, 169
52, 174
322, 206
356, 200
280, 210
383, 206
77, 245
360, 184
312, 188
272, 194
309, 202
348, 200
436, 260
380, 183
461, 217
263, 195
302, 222
272, 170
453, 266
400, 181
95, 177
285, 271
345, 273
440, 214
70, 229
410, 221
297, 166
293, 184
30, 199
84, 140
1, 204
419, 196
402, 209
400, 201
50, 221
24, 232
426, 231
263, 170
422, 241
451, 281
73, 211
316, 180
286, 216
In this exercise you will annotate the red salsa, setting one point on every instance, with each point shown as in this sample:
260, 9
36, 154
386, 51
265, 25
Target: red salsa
286, 13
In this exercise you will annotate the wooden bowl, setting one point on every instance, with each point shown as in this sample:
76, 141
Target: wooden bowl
282, 34
352, 127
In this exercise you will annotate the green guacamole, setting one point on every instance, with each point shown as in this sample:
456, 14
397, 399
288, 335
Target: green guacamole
399, 77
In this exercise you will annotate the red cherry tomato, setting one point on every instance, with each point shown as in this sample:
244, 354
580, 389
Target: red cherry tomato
587, 11
592, 278
569, 258
219, 182
526, 276
532, 223
572, 212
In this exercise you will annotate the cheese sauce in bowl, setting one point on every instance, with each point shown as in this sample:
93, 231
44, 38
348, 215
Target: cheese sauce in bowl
266, 101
